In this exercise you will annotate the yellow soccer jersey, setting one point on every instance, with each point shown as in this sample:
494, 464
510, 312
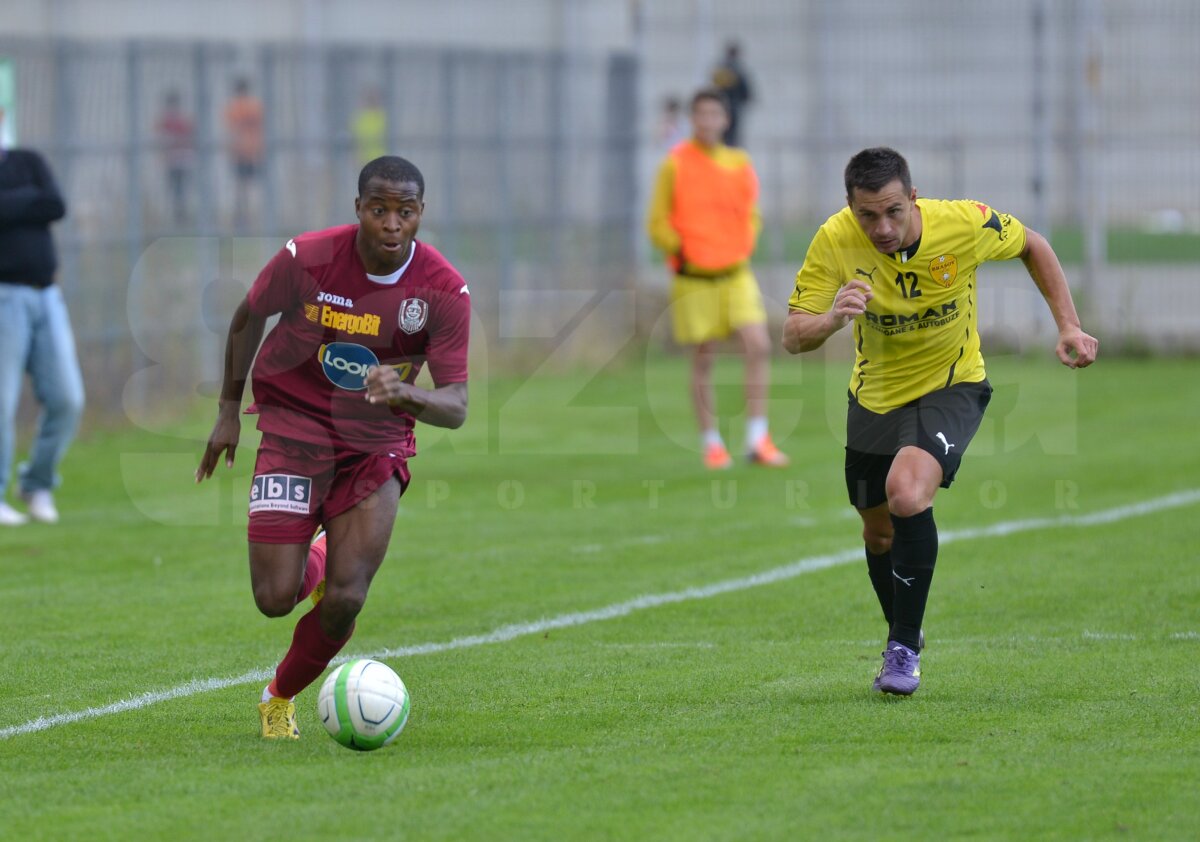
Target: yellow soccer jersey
919, 332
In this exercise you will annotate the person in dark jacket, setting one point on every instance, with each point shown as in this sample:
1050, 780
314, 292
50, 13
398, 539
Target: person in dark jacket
36, 338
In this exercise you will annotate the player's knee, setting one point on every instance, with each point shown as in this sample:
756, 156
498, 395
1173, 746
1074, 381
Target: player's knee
906, 500
877, 541
340, 606
273, 601
757, 342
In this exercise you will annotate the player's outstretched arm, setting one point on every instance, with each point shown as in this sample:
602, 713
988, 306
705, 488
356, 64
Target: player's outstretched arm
1075, 349
806, 332
445, 406
245, 334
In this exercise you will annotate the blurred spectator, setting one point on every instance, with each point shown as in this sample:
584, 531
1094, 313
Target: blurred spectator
672, 125
730, 78
244, 124
370, 129
36, 337
704, 216
177, 139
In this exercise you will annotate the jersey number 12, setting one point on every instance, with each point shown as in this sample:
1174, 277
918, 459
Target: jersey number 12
910, 290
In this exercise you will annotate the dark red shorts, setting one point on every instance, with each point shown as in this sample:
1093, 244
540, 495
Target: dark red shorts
298, 486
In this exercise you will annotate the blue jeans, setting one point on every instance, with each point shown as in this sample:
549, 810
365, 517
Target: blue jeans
36, 338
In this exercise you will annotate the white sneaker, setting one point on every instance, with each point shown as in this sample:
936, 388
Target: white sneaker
10, 516
41, 506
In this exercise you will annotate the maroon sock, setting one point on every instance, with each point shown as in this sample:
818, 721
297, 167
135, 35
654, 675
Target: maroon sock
311, 652
314, 570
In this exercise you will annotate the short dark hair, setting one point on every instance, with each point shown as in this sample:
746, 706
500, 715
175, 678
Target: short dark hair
874, 168
394, 169
709, 93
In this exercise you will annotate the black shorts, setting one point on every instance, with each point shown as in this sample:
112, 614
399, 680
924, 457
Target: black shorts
942, 423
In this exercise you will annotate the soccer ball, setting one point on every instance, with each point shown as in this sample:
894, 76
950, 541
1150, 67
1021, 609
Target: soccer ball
363, 705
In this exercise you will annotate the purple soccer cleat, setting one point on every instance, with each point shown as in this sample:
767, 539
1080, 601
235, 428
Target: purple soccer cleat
901, 670
875, 686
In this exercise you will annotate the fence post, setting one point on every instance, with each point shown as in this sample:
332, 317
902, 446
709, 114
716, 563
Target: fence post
269, 220
1043, 136
449, 189
557, 109
1089, 34
208, 346
134, 223
504, 228
66, 150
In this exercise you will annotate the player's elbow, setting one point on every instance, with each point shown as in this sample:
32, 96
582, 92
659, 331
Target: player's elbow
456, 413
442, 415
802, 346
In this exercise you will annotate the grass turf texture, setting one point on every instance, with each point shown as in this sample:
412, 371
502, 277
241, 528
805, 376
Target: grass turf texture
1059, 697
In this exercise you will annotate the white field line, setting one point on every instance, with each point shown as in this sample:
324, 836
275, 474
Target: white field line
620, 609
1094, 635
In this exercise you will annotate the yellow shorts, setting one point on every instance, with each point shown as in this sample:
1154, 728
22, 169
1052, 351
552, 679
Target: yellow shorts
707, 310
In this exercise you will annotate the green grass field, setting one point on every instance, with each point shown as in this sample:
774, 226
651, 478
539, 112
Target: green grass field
1060, 697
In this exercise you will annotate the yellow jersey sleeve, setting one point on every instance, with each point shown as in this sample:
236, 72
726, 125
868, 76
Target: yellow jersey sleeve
658, 216
818, 280
999, 236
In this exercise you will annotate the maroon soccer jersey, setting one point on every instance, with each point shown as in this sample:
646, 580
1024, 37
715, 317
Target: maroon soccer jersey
335, 322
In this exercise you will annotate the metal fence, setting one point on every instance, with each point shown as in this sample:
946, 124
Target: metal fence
1078, 116
514, 147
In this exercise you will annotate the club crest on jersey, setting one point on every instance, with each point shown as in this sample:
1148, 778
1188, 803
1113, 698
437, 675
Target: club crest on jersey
944, 269
346, 364
414, 312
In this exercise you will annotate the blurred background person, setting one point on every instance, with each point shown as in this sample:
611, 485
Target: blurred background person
36, 337
704, 215
177, 139
672, 126
244, 127
370, 128
730, 78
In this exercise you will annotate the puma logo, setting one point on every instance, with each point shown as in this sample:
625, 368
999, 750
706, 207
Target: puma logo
866, 275
948, 444
908, 582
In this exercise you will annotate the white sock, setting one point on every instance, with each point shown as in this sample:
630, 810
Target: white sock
266, 694
756, 431
711, 437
